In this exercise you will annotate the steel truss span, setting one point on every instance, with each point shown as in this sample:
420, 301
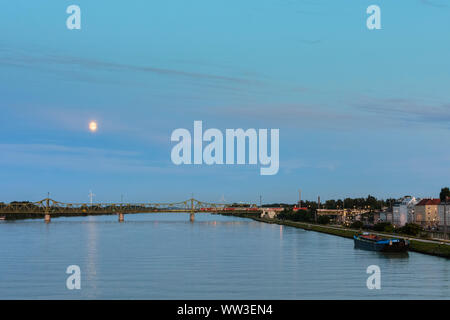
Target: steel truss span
51, 207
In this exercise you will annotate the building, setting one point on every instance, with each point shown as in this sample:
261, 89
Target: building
270, 212
403, 211
389, 217
426, 212
336, 215
444, 206
295, 209
380, 216
342, 215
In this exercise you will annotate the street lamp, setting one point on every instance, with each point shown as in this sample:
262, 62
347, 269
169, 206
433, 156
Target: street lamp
445, 217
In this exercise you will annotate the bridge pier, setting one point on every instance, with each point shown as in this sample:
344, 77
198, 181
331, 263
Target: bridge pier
47, 218
121, 217
192, 217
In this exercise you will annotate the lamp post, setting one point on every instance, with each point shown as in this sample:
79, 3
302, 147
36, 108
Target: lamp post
445, 217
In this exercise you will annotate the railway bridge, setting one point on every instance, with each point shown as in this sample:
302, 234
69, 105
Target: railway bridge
47, 208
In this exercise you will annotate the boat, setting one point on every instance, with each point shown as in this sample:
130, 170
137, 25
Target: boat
373, 242
2, 218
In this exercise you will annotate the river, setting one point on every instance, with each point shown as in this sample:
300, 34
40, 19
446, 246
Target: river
164, 256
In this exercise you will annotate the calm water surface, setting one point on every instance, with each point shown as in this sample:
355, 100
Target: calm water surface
164, 256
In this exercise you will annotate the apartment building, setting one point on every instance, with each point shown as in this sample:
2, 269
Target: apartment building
444, 206
403, 210
426, 212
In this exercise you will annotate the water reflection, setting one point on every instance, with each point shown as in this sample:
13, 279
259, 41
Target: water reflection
394, 255
164, 256
386, 255
92, 254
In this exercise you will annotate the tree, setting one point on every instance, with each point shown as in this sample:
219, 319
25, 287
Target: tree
357, 225
445, 192
371, 202
303, 216
330, 204
383, 226
410, 229
349, 203
323, 220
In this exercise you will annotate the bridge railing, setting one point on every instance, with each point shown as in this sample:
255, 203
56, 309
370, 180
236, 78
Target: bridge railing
50, 206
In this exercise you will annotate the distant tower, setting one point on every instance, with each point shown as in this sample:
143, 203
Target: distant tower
318, 207
91, 196
299, 198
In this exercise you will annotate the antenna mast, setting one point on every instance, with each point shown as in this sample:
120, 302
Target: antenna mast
91, 196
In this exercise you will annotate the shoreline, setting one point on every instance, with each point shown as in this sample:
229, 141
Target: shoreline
428, 247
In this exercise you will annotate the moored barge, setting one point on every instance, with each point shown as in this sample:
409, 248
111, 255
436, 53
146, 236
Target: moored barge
375, 243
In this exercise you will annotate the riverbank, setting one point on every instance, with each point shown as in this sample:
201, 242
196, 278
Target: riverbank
24, 216
417, 245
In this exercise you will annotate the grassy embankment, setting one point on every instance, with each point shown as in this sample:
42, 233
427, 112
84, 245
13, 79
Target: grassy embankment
432, 248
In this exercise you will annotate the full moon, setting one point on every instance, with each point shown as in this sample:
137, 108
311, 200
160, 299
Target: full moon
93, 126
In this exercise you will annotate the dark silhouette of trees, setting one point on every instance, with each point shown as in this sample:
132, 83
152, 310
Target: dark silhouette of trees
445, 192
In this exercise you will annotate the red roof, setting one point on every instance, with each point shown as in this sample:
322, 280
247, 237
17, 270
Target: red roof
429, 202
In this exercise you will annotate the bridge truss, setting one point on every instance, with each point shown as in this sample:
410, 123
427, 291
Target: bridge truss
50, 206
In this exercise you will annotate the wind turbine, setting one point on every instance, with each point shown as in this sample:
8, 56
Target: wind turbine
91, 196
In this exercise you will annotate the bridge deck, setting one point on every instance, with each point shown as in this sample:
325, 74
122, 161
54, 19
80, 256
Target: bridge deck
52, 207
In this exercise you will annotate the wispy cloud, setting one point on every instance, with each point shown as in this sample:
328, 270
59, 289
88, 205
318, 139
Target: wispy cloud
58, 63
346, 114
433, 4
408, 110
83, 159
76, 159
298, 115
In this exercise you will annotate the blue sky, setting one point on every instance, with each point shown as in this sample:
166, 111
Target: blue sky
360, 112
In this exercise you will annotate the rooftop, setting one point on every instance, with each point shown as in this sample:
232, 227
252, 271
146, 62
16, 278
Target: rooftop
429, 202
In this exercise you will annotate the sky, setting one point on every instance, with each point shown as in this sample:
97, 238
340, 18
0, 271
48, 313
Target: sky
359, 111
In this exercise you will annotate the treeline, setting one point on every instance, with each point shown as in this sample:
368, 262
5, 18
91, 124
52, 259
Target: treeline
349, 203
308, 216
304, 216
359, 203
411, 229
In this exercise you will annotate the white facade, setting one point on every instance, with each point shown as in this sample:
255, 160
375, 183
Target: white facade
441, 208
382, 217
403, 211
270, 212
388, 217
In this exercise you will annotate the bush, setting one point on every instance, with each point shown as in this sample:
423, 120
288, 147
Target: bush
356, 225
300, 216
411, 229
323, 219
383, 226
